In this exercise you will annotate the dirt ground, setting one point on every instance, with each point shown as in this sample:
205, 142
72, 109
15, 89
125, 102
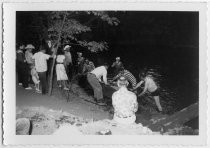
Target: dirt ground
53, 114
76, 106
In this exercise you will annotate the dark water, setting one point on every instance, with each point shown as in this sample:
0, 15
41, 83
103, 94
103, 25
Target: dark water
177, 68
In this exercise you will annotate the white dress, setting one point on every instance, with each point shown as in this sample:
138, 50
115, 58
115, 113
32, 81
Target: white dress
60, 69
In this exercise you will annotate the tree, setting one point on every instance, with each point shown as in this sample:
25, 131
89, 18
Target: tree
65, 28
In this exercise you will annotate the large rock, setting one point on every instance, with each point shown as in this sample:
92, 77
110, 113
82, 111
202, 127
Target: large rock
22, 126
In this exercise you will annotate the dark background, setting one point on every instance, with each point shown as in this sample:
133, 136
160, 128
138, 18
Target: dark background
163, 39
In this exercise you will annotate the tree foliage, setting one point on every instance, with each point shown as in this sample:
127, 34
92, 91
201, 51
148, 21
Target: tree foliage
73, 28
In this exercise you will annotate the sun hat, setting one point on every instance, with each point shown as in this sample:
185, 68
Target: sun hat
66, 47
30, 46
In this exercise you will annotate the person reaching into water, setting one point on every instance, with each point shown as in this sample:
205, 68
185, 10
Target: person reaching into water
149, 86
128, 75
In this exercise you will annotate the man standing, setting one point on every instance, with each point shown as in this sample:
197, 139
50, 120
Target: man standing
22, 68
68, 61
117, 65
41, 67
80, 62
94, 79
124, 103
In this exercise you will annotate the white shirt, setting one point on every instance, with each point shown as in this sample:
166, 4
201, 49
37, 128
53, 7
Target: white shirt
41, 61
151, 86
124, 103
99, 72
60, 58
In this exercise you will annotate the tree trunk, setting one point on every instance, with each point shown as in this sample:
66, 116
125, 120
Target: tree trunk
178, 118
55, 52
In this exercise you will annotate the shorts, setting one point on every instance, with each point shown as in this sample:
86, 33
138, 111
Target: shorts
155, 93
35, 80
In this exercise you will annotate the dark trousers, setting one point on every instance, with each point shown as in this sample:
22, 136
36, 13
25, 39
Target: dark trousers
43, 81
19, 71
69, 71
23, 73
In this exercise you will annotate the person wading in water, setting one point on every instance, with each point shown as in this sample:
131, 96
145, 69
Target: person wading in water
149, 86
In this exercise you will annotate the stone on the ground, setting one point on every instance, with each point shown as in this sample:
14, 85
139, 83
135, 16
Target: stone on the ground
22, 126
46, 127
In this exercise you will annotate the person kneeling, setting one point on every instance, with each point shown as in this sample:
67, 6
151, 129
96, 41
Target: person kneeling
124, 103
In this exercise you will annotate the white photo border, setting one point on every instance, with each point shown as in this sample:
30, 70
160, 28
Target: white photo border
9, 94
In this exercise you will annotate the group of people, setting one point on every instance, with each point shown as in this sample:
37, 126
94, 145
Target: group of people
33, 66
124, 100
64, 66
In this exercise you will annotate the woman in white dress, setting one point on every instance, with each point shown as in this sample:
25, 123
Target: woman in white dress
62, 77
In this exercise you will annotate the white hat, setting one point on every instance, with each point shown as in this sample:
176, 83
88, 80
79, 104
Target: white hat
30, 46
117, 58
66, 47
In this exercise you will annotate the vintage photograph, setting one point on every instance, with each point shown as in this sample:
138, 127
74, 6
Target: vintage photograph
107, 72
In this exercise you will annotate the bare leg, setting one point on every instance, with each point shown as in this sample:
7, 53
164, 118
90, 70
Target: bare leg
38, 86
157, 102
65, 85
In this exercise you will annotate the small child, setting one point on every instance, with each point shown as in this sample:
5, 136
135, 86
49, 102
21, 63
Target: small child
35, 78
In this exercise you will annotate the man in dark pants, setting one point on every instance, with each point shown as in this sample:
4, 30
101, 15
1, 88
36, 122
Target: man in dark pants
22, 68
41, 67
